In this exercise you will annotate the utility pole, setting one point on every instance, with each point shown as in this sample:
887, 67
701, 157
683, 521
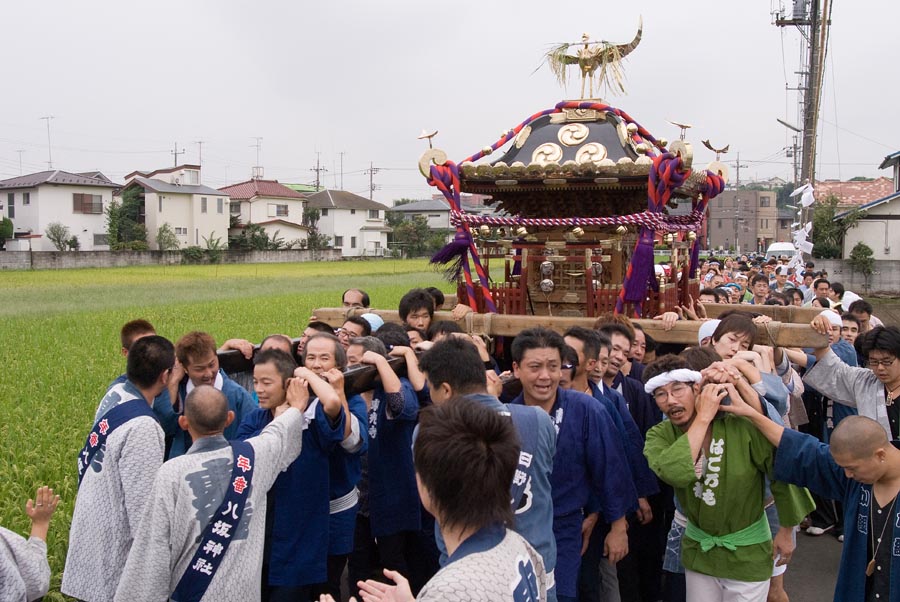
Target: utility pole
372, 172
47, 118
737, 170
20, 151
319, 170
199, 144
342, 153
177, 152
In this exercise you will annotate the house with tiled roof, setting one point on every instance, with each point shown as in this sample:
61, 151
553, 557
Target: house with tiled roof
355, 224
77, 200
879, 227
854, 193
274, 206
176, 196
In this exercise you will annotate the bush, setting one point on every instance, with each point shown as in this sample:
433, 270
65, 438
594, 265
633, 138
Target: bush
193, 254
166, 240
59, 235
6, 231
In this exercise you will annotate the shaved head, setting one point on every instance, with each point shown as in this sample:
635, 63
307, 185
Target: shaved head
858, 437
206, 410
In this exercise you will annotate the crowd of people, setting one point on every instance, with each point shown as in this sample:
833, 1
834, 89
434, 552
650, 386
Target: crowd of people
595, 465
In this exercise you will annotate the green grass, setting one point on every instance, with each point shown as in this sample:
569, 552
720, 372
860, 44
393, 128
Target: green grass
60, 350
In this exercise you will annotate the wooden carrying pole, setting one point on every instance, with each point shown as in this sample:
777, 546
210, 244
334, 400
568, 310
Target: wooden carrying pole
683, 332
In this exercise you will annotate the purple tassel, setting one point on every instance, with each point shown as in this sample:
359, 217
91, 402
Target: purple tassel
642, 275
453, 255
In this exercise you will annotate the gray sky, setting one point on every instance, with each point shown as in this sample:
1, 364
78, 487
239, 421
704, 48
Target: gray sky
125, 80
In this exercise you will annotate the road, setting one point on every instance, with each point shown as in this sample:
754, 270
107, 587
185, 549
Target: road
813, 571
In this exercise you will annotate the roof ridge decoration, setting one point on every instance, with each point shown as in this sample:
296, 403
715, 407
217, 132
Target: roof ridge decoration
667, 169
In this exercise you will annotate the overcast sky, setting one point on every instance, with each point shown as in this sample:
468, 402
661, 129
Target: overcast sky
126, 80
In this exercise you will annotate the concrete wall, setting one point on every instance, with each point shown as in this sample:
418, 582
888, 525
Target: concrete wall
51, 260
886, 278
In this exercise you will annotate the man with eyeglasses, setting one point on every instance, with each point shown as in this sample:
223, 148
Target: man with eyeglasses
718, 467
873, 391
353, 328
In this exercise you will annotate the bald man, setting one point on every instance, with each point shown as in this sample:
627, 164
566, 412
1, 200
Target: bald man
862, 469
203, 527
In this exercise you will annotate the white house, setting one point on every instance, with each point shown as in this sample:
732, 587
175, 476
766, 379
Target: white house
435, 211
176, 197
272, 205
354, 223
77, 200
879, 228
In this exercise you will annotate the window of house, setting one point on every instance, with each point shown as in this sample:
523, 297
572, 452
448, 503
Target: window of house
220, 206
26, 198
87, 203
278, 210
203, 204
191, 176
339, 241
373, 213
764, 201
720, 224
434, 215
324, 212
101, 239
160, 203
353, 212
377, 244
11, 203
352, 242
181, 231
235, 208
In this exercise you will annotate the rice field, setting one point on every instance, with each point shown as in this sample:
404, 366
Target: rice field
59, 349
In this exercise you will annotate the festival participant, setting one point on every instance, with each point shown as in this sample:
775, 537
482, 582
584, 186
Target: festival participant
465, 456
873, 390
132, 331
24, 570
353, 327
642, 408
709, 295
244, 378
781, 279
727, 548
849, 327
417, 308
355, 298
759, 287
324, 358
312, 329
115, 470
201, 535
863, 311
861, 468
296, 538
836, 296
455, 370
795, 295
588, 475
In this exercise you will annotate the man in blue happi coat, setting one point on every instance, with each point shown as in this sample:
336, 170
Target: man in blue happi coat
590, 473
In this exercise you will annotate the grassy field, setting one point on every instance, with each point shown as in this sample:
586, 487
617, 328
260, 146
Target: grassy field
60, 349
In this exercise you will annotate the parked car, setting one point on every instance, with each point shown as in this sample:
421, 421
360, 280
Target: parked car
777, 249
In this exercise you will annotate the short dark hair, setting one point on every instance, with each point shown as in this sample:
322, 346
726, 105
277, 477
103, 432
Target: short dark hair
537, 338
392, 334
361, 322
132, 329
823, 301
437, 294
414, 300
570, 358
148, 358
776, 298
590, 339
850, 318
736, 323
370, 343
606, 343
699, 358
861, 306
880, 338
206, 408
663, 364
838, 289
424, 335
616, 328
439, 327
759, 278
320, 326
284, 363
795, 292
465, 456
365, 295
340, 356
195, 345
712, 291
819, 281
282, 339
455, 361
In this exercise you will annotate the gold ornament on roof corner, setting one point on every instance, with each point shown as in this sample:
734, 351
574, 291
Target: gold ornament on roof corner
719, 151
590, 57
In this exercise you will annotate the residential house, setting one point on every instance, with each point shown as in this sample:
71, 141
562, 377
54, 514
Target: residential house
176, 197
77, 200
742, 220
879, 228
275, 207
855, 193
435, 211
355, 224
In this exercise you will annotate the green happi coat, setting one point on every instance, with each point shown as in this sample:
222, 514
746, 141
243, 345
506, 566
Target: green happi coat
728, 497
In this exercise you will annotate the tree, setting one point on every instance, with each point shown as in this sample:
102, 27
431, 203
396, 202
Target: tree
123, 222
59, 235
254, 237
6, 231
166, 239
862, 261
828, 234
412, 236
393, 219
314, 239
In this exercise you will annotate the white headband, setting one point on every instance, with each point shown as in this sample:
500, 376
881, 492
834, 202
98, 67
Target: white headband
681, 375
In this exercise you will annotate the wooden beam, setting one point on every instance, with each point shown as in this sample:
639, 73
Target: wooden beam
684, 332
790, 313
